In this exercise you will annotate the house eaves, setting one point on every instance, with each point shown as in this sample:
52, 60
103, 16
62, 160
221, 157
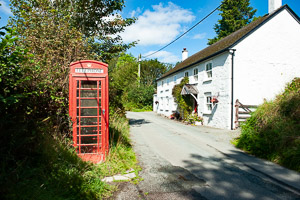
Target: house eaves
226, 43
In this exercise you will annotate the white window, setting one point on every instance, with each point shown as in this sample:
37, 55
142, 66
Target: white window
175, 79
208, 69
208, 103
186, 74
196, 74
168, 80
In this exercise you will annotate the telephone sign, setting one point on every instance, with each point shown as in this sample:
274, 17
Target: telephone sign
88, 108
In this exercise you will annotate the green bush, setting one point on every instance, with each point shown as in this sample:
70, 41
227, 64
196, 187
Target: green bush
273, 130
139, 97
183, 101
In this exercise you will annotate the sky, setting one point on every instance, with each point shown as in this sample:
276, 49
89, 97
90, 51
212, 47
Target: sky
159, 22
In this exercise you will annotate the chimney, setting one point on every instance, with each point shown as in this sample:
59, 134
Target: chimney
274, 5
184, 54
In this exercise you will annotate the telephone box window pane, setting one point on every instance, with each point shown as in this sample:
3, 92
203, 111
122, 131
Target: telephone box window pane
88, 111
89, 102
88, 93
77, 93
88, 130
88, 121
88, 84
88, 149
77, 84
89, 140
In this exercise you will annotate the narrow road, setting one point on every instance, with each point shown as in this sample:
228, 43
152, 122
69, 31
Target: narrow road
187, 162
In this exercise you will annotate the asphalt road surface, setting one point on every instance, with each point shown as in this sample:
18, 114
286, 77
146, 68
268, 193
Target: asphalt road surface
187, 162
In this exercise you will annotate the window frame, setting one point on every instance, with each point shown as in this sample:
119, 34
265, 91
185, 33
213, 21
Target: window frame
196, 74
186, 74
208, 72
208, 104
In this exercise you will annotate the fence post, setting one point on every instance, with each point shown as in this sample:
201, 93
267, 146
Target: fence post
237, 105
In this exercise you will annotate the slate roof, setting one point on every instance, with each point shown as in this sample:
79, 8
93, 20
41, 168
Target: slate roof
226, 43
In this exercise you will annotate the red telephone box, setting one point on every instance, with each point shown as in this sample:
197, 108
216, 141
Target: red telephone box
88, 108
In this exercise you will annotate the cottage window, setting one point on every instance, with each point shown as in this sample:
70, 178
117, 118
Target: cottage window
208, 103
196, 74
208, 69
168, 81
186, 74
175, 79
162, 83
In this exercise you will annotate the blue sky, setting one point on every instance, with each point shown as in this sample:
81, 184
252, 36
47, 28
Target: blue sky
159, 22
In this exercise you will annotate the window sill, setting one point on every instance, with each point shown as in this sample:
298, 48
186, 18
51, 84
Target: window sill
207, 80
207, 112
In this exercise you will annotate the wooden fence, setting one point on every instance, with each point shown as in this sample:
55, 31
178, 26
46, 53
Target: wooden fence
242, 112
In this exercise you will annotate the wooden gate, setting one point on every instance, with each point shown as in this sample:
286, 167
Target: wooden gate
242, 112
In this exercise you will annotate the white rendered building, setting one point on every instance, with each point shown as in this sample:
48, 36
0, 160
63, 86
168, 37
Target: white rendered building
252, 64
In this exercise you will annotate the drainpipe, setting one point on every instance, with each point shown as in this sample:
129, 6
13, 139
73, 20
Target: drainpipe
232, 52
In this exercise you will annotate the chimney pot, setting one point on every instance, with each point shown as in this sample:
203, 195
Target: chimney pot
274, 5
184, 54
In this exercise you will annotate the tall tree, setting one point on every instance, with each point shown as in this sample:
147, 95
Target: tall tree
235, 15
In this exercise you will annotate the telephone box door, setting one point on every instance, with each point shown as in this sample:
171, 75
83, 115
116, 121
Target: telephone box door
89, 116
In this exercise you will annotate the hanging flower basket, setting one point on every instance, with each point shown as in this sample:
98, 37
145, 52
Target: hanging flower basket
214, 100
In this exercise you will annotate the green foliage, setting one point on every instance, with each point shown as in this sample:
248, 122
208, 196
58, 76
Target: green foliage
273, 130
142, 95
76, 28
235, 15
125, 87
151, 70
37, 160
183, 101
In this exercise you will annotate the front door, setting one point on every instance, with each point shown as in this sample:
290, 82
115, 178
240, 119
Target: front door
89, 112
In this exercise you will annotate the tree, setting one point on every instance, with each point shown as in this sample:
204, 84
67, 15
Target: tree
95, 20
235, 15
151, 70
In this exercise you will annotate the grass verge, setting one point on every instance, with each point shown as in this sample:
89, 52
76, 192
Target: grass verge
52, 170
273, 130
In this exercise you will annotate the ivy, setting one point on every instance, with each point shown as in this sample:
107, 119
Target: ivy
183, 101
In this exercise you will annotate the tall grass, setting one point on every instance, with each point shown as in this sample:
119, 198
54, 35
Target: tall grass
52, 170
273, 130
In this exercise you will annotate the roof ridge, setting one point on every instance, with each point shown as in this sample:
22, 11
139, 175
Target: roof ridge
224, 44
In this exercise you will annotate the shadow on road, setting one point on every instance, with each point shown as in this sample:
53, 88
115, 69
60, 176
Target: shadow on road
230, 179
137, 122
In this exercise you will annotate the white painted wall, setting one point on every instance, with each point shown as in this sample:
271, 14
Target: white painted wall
264, 62
218, 85
267, 59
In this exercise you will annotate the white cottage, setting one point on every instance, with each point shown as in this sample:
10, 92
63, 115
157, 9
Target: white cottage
252, 64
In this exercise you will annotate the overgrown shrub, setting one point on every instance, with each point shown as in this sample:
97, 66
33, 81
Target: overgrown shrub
273, 130
183, 101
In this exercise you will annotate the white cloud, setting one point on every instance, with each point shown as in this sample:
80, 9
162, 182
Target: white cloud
5, 8
135, 12
164, 56
158, 27
199, 36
